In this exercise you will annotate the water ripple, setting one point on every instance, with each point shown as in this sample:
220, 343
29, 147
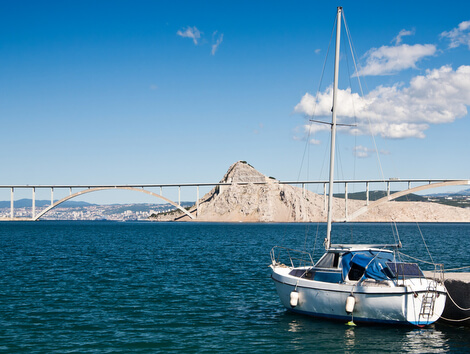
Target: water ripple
146, 287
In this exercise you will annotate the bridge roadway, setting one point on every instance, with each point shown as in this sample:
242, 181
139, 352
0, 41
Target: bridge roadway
144, 188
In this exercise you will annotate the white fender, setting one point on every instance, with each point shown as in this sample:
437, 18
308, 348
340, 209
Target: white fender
294, 298
350, 302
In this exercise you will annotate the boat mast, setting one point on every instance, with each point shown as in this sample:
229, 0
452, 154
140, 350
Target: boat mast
333, 130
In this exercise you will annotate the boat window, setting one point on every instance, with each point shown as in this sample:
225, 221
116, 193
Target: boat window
400, 270
336, 260
329, 260
303, 273
356, 272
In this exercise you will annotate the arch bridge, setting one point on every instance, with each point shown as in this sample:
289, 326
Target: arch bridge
390, 197
145, 188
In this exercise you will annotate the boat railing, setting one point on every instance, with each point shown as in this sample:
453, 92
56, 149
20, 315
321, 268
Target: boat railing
427, 267
296, 258
371, 246
438, 272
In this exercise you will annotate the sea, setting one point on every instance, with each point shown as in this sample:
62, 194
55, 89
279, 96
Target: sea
148, 287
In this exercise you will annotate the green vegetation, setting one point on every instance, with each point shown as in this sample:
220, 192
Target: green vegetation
460, 203
456, 201
187, 206
375, 195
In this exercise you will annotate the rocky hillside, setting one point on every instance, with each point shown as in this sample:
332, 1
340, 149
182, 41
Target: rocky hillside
253, 197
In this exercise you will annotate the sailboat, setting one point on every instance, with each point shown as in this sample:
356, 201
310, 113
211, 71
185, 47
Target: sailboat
356, 282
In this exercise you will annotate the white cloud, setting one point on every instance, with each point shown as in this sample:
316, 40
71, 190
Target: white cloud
402, 33
315, 142
190, 32
458, 36
440, 96
310, 129
388, 60
362, 151
218, 41
314, 128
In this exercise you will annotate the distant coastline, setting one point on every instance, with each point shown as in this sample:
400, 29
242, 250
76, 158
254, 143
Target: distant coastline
78, 210
247, 195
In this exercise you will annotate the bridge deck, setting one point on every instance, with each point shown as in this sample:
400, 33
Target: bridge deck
144, 188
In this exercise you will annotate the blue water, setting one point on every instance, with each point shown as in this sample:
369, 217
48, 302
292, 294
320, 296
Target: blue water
87, 287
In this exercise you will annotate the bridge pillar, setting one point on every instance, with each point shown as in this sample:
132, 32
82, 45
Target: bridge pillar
367, 193
12, 198
33, 208
197, 201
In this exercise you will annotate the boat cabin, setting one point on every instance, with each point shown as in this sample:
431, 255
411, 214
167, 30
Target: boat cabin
340, 265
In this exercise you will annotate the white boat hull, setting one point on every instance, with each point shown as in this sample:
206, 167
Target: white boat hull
373, 303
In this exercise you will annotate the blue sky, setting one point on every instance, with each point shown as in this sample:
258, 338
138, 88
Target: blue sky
103, 92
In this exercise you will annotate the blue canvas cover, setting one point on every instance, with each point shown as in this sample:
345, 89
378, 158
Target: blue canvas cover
374, 263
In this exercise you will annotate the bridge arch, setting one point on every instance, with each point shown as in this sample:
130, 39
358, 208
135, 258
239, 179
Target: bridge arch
402, 193
90, 190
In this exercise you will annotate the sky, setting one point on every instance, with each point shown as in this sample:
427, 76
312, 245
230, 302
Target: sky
124, 92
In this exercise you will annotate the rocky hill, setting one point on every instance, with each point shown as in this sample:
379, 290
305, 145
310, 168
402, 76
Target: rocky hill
253, 197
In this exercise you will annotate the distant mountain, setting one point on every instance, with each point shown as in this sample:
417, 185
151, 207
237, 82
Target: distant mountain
27, 203
463, 192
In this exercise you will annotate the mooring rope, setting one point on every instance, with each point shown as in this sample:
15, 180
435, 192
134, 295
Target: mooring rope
453, 301
416, 259
449, 270
461, 320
